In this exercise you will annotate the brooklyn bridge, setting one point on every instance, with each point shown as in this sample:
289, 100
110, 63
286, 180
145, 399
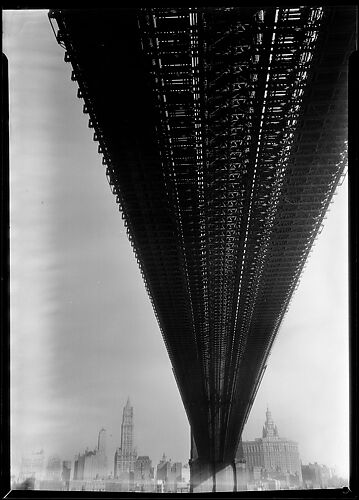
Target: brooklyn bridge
223, 136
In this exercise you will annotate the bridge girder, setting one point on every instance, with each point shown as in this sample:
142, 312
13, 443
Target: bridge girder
223, 138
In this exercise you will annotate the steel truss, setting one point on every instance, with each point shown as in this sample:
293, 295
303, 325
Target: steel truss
244, 111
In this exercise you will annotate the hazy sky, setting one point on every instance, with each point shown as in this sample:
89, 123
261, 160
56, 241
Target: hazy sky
83, 334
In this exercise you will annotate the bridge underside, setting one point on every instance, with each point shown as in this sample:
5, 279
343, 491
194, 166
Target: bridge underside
223, 135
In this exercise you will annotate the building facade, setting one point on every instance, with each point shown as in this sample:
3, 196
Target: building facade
125, 455
66, 470
316, 476
143, 474
170, 473
101, 455
143, 467
92, 464
276, 457
53, 468
33, 465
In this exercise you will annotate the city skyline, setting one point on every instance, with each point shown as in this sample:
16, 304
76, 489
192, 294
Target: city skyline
269, 433
270, 461
88, 308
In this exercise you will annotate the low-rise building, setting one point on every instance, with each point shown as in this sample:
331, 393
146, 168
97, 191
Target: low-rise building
143, 474
53, 468
170, 473
316, 476
33, 466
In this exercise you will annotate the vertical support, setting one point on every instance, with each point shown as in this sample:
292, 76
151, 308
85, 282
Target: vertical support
193, 456
224, 477
209, 476
202, 474
234, 476
214, 477
202, 479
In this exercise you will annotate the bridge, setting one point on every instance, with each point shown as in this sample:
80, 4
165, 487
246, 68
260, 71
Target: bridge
223, 137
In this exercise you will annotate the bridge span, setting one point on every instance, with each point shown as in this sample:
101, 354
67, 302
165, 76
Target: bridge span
223, 137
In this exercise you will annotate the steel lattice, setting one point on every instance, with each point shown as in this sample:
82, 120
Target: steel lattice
223, 134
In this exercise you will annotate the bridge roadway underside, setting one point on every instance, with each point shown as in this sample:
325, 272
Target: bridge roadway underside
222, 134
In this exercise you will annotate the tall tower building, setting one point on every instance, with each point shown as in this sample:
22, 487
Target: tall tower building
101, 443
273, 455
269, 429
92, 464
125, 456
101, 454
127, 428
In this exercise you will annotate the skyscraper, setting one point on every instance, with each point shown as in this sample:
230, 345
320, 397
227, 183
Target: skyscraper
125, 456
92, 464
101, 442
101, 454
272, 455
